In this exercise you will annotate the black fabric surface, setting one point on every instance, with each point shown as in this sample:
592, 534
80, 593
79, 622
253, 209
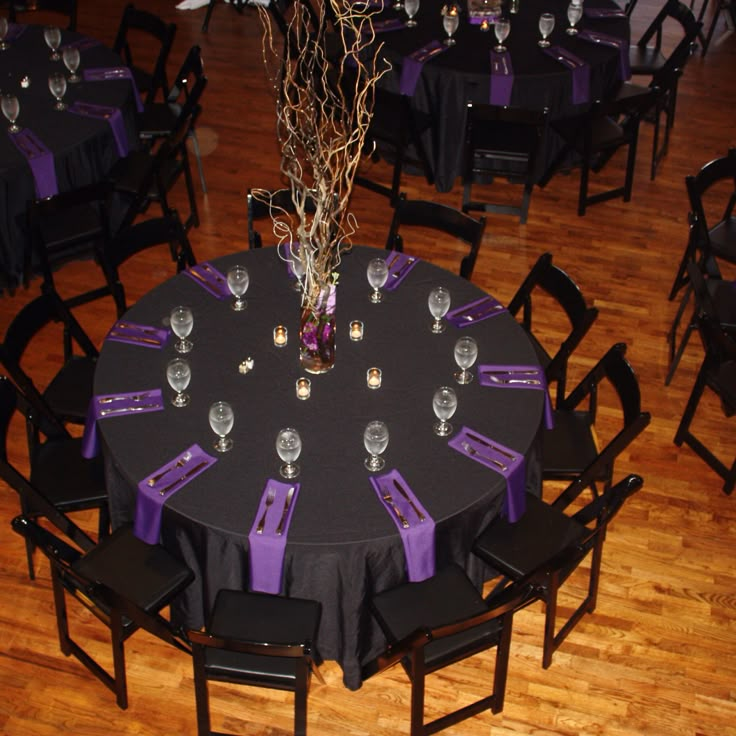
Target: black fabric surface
84, 148
343, 547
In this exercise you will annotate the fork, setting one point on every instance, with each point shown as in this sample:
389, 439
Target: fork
526, 381
473, 453
135, 397
390, 501
180, 463
270, 498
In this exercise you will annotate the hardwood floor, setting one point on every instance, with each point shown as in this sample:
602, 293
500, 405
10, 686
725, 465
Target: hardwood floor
657, 656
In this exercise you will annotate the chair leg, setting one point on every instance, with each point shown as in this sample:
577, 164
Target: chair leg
683, 429
676, 353
62, 622
417, 677
118, 658
550, 616
208, 15
198, 157
201, 693
631, 164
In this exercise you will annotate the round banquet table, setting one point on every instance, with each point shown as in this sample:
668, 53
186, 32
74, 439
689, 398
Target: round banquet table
83, 148
463, 73
342, 545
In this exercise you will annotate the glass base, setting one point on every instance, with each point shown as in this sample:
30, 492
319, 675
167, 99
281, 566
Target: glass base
449, 41
14, 128
543, 43
438, 327
571, 31
55, 56
463, 377
500, 49
59, 106
376, 297
74, 79
184, 346
289, 470
238, 305
411, 23
374, 463
442, 429
223, 444
180, 400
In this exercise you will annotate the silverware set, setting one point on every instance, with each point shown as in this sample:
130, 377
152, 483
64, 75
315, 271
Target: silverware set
426, 54
405, 266
182, 478
180, 463
134, 338
126, 409
474, 453
270, 498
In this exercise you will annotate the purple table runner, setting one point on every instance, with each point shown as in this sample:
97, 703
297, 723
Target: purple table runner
417, 535
40, 159
502, 78
399, 265
111, 115
104, 74
580, 73
210, 279
136, 334
518, 376
411, 67
624, 69
475, 311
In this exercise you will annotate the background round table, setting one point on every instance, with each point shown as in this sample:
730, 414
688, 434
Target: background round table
342, 545
463, 73
84, 148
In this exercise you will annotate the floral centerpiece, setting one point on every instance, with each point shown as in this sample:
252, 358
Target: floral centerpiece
324, 103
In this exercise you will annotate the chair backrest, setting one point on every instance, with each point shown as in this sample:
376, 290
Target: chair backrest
676, 10
563, 289
63, 7
453, 222
263, 204
191, 70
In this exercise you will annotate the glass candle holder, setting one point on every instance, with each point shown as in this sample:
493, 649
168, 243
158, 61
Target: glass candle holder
373, 378
280, 336
356, 330
303, 388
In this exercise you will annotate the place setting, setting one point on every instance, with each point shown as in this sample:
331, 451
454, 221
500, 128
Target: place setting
134, 333
475, 311
399, 266
215, 282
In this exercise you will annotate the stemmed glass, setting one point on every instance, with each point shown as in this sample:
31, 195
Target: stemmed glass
377, 274
11, 110
57, 87
222, 419
52, 36
4, 45
574, 14
71, 57
450, 22
375, 439
182, 321
546, 24
444, 403
466, 351
501, 29
178, 374
412, 8
439, 303
237, 282
297, 267
289, 447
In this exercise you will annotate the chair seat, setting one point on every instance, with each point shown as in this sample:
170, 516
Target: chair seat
723, 239
129, 173
723, 382
70, 390
66, 227
570, 446
645, 60
157, 119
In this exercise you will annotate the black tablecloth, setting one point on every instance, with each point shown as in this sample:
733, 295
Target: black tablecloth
462, 74
83, 147
342, 545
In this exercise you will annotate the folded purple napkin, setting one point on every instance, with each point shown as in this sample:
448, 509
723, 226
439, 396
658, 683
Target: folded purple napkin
104, 74
390, 24
580, 72
15, 31
622, 44
40, 159
502, 78
111, 115
418, 536
518, 376
475, 311
82, 43
411, 67
399, 265
136, 334
163, 483
104, 406
604, 13
509, 463
490, 16
268, 545
209, 278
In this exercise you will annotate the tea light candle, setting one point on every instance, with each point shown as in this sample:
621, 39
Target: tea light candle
485, 25
373, 378
280, 336
356, 330
303, 388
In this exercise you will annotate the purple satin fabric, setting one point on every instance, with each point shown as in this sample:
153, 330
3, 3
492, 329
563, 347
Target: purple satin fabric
111, 115
579, 69
505, 373
210, 279
475, 311
624, 68
40, 159
502, 78
399, 266
144, 336
412, 65
104, 74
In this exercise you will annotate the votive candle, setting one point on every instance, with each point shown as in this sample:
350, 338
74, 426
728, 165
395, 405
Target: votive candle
280, 336
303, 388
373, 378
356, 330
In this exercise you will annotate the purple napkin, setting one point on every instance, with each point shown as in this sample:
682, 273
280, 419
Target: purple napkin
136, 334
399, 265
502, 78
390, 24
580, 72
82, 43
418, 537
606, 39
163, 483
267, 548
104, 74
490, 16
604, 13
104, 406
411, 67
518, 376
113, 117
509, 463
209, 278
291, 251
15, 31
40, 159
475, 311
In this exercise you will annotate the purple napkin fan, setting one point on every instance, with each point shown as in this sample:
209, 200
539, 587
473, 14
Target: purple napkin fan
477, 310
111, 115
518, 376
416, 527
509, 463
580, 72
106, 74
399, 265
411, 67
502, 78
605, 39
40, 159
210, 279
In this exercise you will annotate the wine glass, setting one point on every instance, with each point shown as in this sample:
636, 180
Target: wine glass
237, 282
466, 351
4, 45
450, 22
57, 87
289, 447
546, 24
444, 403
52, 36
70, 55
178, 374
501, 29
377, 275
411, 8
11, 110
182, 321
222, 419
297, 267
375, 439
574, 14
439, 303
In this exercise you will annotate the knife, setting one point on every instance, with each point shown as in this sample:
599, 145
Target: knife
285, 512
123, 409
524, 381
471, 307
393, 260
403, 492
215, 275
134, 338
198, 275
491, 445
481, 314
511, 372
184, 477
136, 328
406, 265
